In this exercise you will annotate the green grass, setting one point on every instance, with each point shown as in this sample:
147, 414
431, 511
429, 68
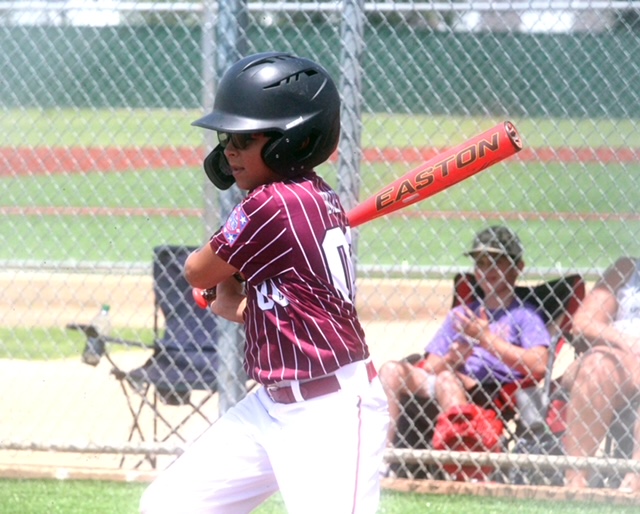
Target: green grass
540, 201
36, 343
434, 232
118, 239
392, 502
168, 188
68, 497
393, 130
84, 127
81, 497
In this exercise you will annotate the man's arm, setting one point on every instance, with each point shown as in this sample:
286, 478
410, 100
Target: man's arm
531, 361
453, 360
445, 351
593, 321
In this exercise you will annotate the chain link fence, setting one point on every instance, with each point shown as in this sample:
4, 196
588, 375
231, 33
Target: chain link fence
100, 168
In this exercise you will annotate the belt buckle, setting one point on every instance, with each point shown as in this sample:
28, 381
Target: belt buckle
272, 388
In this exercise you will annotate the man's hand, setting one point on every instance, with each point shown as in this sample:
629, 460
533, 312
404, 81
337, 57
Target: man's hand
474, 327
458, 353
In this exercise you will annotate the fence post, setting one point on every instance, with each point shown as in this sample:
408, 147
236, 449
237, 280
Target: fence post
223, 43
350, 153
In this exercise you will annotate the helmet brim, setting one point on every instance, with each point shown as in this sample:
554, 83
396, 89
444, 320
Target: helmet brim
223, 122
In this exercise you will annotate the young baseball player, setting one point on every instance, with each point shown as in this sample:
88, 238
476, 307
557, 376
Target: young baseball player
316, 428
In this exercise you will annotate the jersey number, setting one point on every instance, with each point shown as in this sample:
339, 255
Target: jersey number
335, 246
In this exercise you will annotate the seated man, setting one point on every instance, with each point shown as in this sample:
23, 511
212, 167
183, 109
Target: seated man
605, 378
494, 341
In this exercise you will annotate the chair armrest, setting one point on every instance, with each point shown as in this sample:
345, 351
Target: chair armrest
90, 331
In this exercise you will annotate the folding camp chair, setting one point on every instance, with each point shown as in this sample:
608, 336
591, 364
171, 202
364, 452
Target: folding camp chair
522, 406
184, 357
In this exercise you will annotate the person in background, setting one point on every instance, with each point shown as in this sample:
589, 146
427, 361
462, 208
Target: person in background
604, 379
480, 347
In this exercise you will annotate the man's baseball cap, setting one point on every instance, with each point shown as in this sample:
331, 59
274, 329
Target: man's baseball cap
497, 240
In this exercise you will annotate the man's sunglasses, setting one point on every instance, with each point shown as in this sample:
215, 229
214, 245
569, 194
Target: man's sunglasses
239, 141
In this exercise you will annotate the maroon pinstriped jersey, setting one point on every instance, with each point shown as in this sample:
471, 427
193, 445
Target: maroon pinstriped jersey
291, 240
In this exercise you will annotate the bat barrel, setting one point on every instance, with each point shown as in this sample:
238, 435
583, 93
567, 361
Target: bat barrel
441, 172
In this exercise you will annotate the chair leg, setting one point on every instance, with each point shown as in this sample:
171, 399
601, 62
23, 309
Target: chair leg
159, 419
158, 422
135, 415
135, 425
196, 409
152, 458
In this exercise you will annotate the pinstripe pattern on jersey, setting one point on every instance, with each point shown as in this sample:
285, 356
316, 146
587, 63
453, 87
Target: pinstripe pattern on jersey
298, 324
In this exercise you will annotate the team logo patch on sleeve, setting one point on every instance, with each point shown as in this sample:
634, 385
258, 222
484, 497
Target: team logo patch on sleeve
234, 225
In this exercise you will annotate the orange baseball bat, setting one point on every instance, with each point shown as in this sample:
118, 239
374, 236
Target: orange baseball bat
440, 172
437, 174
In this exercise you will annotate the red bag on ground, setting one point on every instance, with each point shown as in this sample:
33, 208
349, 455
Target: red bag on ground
468, 428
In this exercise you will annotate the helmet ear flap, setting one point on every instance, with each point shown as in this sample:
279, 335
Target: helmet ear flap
218, 170
289, 154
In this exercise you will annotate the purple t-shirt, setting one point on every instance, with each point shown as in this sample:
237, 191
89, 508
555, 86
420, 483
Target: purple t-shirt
519, 324
292, 242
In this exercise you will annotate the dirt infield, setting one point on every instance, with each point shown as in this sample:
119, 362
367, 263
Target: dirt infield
399, 315
46, 298
522, 492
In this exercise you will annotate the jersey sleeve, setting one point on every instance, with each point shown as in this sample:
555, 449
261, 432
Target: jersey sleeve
253, 238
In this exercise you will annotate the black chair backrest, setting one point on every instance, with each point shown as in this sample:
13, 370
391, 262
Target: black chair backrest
186, 352
552, 298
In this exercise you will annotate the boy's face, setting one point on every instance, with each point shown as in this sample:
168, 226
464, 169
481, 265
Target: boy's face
244, 154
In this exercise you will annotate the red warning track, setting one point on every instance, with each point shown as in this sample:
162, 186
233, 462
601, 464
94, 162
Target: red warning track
42, 161
50, 160
420, 215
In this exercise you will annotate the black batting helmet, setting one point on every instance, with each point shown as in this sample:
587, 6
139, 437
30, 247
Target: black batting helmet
292, 99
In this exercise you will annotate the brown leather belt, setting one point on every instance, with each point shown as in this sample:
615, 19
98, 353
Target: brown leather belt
313, 388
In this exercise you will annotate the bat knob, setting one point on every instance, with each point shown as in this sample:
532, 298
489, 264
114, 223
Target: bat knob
198, 297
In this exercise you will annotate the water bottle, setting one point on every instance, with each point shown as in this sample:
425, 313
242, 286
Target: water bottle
99, 328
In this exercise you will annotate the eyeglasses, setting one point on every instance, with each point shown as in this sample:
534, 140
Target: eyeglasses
491, 261
239, 141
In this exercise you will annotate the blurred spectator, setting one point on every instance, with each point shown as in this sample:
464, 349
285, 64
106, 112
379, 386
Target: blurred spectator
605, 379
480, 347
